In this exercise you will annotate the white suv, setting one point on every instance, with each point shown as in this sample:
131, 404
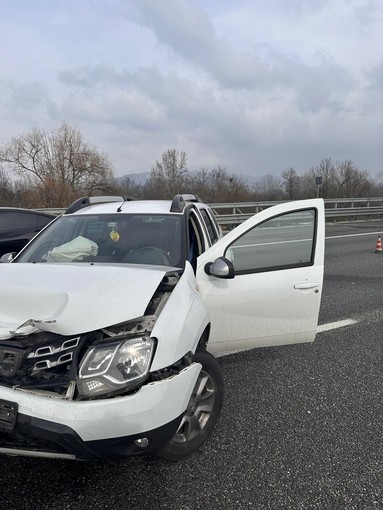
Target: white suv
110, 317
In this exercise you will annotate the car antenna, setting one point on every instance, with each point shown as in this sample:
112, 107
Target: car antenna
124, 199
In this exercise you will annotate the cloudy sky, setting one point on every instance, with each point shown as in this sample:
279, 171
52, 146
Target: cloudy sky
256, 86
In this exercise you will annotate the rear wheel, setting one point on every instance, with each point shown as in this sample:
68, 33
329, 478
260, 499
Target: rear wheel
202, 412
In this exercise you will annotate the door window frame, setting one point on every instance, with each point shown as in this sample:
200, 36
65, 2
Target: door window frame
239, 272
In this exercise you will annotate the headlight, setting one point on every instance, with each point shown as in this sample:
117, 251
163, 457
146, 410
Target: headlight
115, 366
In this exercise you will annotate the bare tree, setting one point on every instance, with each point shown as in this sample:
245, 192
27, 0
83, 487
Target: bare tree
200, 183
169, 175
350, 181
377, 185
326, 170
292, 183
269, 187
218, 185
127, 187
57, 167
6, 190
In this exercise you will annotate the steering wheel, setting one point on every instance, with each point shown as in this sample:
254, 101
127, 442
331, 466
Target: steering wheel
137, 255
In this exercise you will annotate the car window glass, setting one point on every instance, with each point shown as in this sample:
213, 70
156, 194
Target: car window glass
196, 246
14, 219
285, 241
209, 226
115, 238
42, 221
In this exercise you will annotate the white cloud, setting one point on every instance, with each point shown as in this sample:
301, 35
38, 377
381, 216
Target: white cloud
254, 86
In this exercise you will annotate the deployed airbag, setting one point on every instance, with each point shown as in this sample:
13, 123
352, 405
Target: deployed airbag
76, 249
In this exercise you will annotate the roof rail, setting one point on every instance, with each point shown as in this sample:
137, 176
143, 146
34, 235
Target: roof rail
179, 201
86, 201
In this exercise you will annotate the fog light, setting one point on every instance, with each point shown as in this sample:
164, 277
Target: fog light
143, 442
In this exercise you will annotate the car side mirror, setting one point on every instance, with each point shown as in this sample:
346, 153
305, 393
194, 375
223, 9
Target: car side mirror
221, 268
8, 257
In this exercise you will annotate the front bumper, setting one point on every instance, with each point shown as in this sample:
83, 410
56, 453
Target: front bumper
52, 427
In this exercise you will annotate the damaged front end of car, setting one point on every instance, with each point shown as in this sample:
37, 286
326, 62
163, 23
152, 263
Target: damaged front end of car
101, 365
109, 361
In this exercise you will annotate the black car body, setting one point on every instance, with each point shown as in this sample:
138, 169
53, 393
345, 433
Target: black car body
19, 226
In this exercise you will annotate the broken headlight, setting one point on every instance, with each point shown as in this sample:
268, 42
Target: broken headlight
115, 367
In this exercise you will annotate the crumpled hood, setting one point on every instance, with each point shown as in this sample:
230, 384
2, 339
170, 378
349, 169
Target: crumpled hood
71, 299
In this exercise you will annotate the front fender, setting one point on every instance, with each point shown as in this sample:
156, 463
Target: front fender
181, 322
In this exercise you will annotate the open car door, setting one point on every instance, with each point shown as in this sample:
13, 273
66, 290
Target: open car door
262, 282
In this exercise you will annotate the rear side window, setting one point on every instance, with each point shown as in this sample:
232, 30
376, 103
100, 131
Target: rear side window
12, 220
22, 221
196, 244
209, 226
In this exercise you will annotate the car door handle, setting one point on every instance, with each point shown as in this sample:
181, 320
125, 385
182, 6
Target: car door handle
306, 285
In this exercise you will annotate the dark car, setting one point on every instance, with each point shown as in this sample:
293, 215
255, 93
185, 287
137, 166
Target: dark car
18, 226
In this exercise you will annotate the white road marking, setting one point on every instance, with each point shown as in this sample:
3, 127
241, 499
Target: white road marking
271, 243
356, 235
335, 325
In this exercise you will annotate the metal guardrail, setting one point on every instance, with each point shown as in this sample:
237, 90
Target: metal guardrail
232, 214
51, 210
336, 209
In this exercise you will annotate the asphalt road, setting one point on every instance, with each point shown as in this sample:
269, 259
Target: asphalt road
301, 426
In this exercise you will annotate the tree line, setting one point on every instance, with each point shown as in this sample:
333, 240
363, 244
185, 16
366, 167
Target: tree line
51, 169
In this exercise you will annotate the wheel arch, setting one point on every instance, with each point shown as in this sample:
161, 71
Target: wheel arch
203, 341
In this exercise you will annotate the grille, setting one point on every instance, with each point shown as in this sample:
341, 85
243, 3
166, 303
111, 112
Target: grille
17, 441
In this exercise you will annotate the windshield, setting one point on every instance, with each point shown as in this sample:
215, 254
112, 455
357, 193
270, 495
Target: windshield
110, 238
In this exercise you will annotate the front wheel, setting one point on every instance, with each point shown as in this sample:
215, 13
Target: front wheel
202, 412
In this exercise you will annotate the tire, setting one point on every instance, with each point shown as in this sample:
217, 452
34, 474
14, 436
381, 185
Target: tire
202, 413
